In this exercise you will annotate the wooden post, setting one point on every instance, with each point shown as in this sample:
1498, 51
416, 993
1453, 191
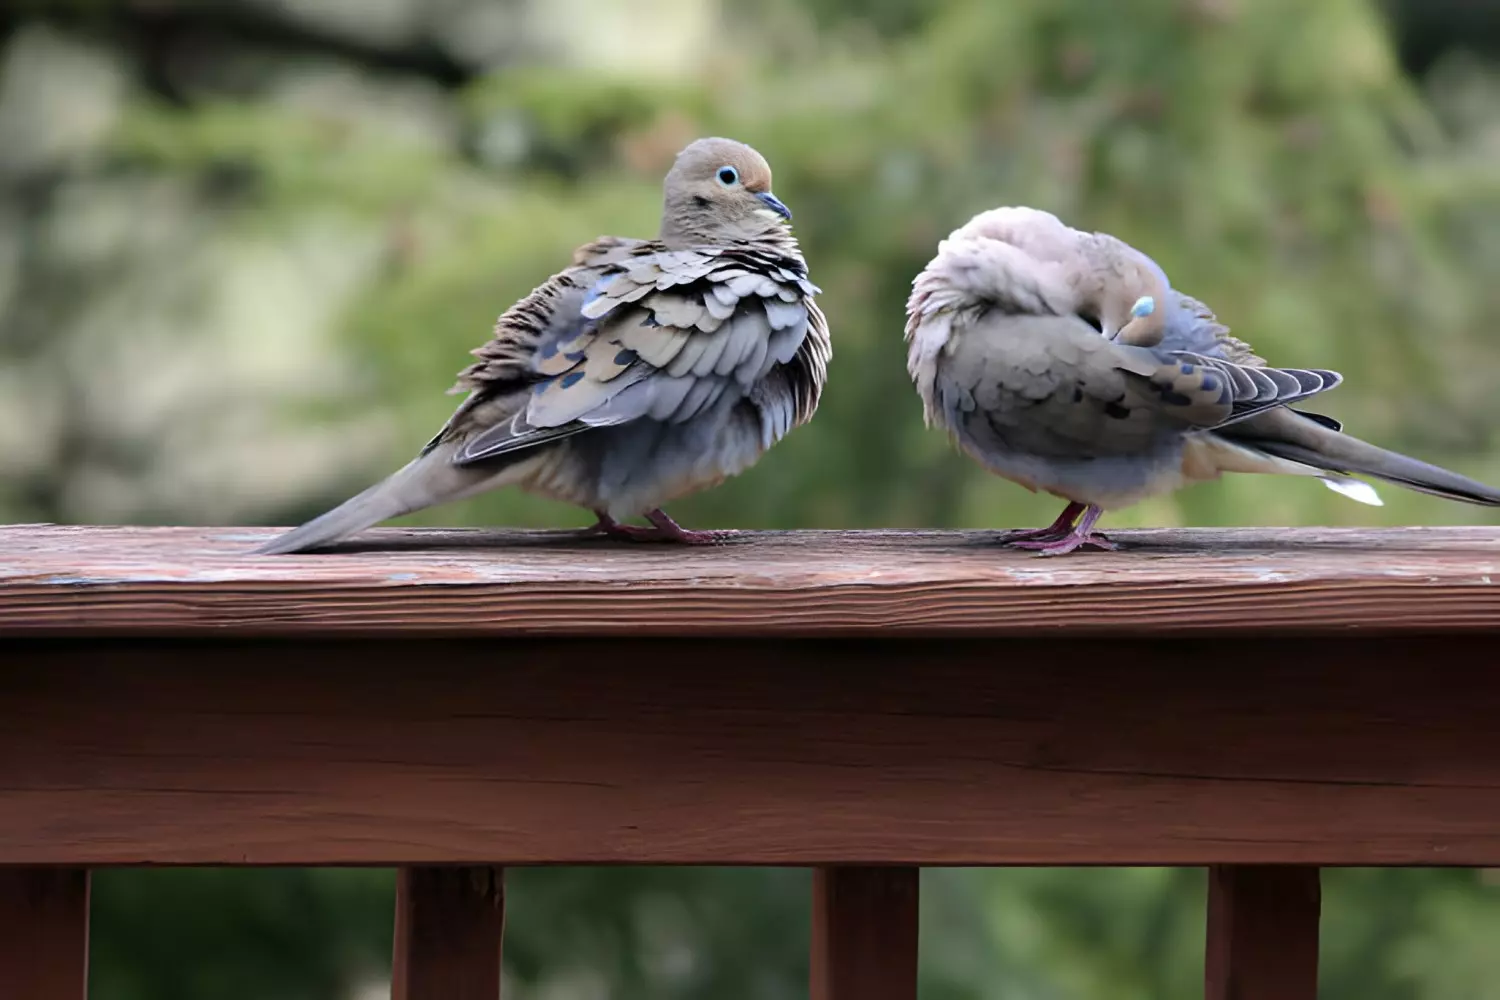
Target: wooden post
449, 925
44, 933
1262, 932
864, 933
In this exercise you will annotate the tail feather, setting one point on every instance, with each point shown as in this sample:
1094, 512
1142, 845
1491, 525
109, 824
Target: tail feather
1312, 443
426, 481
1355, 489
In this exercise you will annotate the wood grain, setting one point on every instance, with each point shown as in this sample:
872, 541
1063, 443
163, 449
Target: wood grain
44, 933
879, 752
450, 922
187, 581
864, 933
1262, 933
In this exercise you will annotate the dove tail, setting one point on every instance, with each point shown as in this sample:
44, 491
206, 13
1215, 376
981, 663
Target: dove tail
424, 482
1324, 448
378, 503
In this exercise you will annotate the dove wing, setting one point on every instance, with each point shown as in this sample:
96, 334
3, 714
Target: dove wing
1052, 386
648, 332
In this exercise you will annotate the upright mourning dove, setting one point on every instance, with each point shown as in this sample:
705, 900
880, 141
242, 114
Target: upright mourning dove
647, 370
1065, 362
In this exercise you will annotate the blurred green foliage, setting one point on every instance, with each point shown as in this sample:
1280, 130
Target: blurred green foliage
245, 246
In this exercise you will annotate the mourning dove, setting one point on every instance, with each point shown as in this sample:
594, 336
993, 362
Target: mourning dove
1065, 362
646, 370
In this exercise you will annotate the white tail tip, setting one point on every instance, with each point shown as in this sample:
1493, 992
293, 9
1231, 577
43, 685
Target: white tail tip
1355, 489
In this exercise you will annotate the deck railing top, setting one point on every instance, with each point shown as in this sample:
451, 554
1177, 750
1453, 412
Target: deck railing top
125, 581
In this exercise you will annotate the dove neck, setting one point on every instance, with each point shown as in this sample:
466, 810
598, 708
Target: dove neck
680, 230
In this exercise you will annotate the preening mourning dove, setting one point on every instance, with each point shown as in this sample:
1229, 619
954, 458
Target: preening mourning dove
1065, 362
646, 370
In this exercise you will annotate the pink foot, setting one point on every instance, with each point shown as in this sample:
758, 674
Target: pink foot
1056, 531
606, 527
1077, 537
672, 531
610, 528
1068, 543
633, 533
663, 529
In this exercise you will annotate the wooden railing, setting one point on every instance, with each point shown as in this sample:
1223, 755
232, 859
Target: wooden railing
452, 702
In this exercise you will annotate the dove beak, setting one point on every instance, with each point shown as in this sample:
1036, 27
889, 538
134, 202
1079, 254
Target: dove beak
774, 204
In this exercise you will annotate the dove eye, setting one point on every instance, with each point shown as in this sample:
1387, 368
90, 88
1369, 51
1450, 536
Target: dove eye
728, 176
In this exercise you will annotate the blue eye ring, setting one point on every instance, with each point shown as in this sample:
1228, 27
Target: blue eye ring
728, 176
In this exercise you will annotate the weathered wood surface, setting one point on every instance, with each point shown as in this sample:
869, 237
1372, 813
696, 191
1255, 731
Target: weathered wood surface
183, 581
1327, 751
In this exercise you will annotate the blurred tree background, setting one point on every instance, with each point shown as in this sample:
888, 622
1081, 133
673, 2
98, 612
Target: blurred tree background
246, 244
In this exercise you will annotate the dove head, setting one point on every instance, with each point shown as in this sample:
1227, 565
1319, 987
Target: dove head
1130, 291
720, 189
1137, 308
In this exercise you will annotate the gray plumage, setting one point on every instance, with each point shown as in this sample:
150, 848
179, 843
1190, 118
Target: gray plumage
646, 370
1065, 362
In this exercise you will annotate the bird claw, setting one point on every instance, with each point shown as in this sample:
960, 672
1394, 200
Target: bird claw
662, 529
608, 527
1068, 543
1063, 535
674, 532
1054, 532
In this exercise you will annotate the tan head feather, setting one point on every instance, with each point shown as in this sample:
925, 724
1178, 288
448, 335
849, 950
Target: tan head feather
720, 189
